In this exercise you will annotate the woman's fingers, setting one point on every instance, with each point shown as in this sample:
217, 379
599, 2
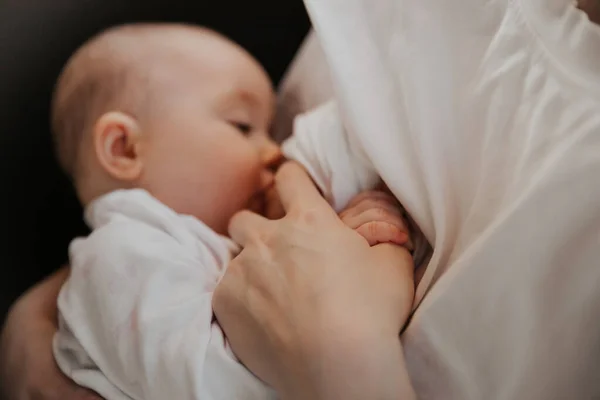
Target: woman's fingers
297, 191
287, 297
246, 226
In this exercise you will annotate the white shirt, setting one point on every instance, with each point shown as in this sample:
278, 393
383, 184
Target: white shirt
483, 118
136, 320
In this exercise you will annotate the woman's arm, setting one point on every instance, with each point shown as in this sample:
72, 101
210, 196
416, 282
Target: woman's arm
27, 366
310, 307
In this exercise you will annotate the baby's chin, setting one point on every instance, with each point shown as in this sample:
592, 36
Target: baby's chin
267, 204
257, 204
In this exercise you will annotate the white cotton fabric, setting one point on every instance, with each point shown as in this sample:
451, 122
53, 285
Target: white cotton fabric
305, 86
338, 165
333, 159
483, 118
136, 320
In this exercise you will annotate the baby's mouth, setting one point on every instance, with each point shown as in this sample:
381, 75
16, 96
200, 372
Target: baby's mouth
264, 199
258, 203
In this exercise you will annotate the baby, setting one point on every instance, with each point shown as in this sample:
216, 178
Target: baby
164, 132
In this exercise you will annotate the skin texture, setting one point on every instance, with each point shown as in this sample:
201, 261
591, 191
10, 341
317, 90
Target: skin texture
310, 307
213, 156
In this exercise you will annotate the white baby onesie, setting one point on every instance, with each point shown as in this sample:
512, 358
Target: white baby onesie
135, 314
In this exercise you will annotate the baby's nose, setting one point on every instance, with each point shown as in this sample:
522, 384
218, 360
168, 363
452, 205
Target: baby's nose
271, 155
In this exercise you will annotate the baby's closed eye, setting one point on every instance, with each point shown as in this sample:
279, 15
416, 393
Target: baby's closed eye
243, 127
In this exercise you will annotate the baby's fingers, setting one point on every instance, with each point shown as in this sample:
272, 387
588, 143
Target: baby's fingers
376, 232
367, 205
356, 218
373, 195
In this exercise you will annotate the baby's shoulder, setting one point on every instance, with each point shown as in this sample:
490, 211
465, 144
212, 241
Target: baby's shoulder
129, 222
133, 227
124, 239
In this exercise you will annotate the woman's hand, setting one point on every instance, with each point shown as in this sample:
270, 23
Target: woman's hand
27, 366
310, 307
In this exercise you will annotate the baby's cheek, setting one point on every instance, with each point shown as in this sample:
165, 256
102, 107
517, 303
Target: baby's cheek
246, 181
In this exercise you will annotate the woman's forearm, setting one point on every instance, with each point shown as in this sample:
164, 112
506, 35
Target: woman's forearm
383, 375
40, 300
354, 368
27, 367
357, 359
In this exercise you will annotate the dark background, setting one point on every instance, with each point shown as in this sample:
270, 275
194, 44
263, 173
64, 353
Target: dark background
39, 214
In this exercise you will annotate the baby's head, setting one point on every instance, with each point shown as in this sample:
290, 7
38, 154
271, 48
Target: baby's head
177, 110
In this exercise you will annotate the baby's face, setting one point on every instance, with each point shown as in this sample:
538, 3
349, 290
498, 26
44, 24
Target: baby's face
208, 152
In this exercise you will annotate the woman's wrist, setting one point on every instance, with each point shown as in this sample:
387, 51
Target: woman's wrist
357, 363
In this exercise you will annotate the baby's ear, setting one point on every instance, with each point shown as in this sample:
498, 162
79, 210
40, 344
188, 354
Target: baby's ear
117, 139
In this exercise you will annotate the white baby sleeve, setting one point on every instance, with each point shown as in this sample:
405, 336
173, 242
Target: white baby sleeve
139, 303
330, 155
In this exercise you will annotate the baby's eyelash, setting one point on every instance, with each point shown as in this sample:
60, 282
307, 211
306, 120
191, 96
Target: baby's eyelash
244, 128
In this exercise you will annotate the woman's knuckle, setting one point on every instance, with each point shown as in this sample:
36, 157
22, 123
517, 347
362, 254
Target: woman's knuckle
308, 216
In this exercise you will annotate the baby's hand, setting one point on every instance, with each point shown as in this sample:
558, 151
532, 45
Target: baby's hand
378, 217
